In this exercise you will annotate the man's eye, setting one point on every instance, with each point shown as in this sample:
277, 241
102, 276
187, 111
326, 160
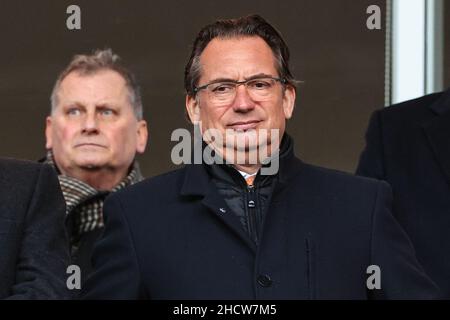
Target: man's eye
73, 112
259, 84
222, 88
107, 112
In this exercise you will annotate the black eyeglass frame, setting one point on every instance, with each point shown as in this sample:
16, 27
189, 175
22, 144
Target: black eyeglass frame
238, 83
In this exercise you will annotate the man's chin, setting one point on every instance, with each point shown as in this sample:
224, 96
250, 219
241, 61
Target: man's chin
91, 165
248, 143
247, 147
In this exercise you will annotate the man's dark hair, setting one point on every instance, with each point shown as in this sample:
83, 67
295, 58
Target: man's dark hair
249, 26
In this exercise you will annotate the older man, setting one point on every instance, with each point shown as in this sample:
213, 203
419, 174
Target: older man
93, 133
256, 222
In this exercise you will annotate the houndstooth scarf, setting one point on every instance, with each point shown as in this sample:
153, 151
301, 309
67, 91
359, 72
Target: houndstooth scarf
84, 204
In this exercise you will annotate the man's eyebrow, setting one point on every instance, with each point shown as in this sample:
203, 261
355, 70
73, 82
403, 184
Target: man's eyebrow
72, 104
260, 75
255, 76
103, 105
221, 80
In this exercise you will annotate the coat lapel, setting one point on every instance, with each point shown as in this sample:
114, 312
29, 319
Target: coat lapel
214, 202
197, 183
438, 133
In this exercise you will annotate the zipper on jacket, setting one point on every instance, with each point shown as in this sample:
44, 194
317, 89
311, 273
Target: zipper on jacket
251, 213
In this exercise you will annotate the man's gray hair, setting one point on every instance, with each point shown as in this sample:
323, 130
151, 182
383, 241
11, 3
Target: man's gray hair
97, 61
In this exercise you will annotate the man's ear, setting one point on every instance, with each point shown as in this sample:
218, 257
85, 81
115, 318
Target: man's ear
193, 109
289, 101
142, 136
48, 133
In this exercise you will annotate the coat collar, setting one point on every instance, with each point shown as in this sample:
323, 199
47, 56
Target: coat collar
197, 182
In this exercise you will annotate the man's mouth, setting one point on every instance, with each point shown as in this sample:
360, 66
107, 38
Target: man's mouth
89, 144
244, 125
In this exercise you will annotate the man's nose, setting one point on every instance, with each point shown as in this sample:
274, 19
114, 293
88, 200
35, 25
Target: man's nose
90, 124
242, 101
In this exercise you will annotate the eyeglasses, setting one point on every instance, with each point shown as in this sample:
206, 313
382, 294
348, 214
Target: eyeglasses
224, 92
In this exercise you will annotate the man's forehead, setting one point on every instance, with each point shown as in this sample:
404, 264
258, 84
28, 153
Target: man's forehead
99, 77
104, 84
237, 56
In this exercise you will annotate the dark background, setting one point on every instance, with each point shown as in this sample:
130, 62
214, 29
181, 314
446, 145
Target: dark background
340, 60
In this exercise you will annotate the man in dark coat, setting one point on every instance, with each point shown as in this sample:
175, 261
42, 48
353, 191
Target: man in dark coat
34, 250
255, 222
408, 145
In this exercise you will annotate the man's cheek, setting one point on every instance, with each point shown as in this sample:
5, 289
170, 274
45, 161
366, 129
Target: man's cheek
67, 135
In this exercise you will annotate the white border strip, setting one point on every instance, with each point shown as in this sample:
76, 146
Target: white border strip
408, 49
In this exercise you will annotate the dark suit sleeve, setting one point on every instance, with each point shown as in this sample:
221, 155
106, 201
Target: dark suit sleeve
371, 159
116, 272
44, 251
402, 277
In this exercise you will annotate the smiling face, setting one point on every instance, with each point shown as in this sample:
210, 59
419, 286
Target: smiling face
94, 127
239, 59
